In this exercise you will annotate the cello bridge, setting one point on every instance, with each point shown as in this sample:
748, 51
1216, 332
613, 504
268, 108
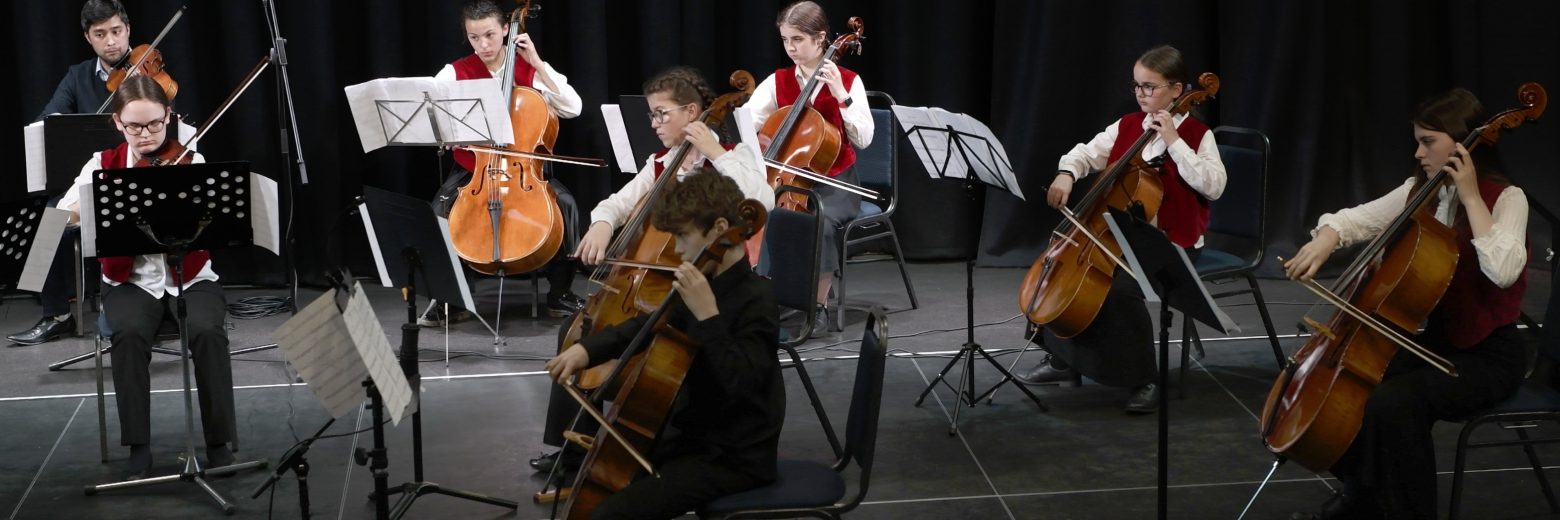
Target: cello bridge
1319, 328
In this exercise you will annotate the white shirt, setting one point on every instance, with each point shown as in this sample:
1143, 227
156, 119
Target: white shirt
565, 102
736, 163
102, 73
857, 117
150, 272
1502, 251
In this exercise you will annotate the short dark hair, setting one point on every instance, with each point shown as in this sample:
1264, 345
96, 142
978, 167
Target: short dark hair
479, 9
698, 199
98, 11
1166, 61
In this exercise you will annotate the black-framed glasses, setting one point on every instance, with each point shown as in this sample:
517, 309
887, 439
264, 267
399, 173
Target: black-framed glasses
661, 115
1146, 88
139, 128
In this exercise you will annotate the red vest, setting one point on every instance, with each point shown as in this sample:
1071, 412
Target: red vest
471, 67
1473, 305
661, 167
1184, 213
117, 268
787, 90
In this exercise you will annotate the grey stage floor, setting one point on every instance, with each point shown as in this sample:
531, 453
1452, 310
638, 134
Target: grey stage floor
1083, 459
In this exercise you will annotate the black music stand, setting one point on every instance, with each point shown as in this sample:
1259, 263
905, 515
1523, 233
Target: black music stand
69, 140
957, 150
1166, 276
172, 211
30, 232
419, 245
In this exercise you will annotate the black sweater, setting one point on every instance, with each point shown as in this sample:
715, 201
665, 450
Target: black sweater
79, 92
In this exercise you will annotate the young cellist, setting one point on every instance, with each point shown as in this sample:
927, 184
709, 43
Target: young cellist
486, 27
842, 100
83, 90
1389, 469
1117, 348
138, 294
676, 97
729, 429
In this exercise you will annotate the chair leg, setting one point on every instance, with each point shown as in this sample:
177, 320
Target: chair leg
899, 256
1459, 464
1538, 470
97, 359
812, 395
536, 287
1267, 321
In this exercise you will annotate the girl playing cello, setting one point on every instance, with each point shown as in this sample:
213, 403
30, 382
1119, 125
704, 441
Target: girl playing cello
1116, 349
804, 31
1389, 469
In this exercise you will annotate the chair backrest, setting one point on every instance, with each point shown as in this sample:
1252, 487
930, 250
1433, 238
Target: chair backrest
877, 165
1236, 221
1550, 343
791, 242
866, 400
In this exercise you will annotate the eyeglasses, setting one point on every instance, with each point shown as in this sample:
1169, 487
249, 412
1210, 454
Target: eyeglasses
661, 115
139, 128
1146, 88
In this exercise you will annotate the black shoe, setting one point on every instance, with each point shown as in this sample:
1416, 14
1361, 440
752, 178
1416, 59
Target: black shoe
139, 466
1046, 373
46, 330
218, 455
1343, 506
545, 462
565, 304
1145, 399
434, 316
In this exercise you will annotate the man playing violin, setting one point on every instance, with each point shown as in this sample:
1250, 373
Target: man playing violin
730, 427
486, 27
83, 89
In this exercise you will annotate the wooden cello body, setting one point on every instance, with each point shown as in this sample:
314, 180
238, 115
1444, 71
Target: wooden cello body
647, 386
627, 291
1066, 287
1316, 406
506, 220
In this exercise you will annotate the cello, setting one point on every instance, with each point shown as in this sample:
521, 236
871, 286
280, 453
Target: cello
1065, 288
629, 291
507, 219
651, 370
1317, 403
799, 136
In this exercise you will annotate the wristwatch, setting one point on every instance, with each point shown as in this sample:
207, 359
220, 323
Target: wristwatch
848, 101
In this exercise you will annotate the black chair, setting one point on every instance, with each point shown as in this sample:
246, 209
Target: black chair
812, 489
1534, 403
877, 168
792, 240
1236, 240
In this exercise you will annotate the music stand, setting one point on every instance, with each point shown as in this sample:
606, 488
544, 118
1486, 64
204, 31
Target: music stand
956, 146
1166, 276
172, 211
30, 232
419, 246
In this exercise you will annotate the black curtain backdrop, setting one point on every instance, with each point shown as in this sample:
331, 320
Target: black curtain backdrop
1332, 83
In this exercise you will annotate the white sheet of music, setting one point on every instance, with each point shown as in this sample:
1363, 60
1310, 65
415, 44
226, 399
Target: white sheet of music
32, 139
617, 133
50, 230
334, 351
748, 131
469, 111
88, 222
926, 130
263, 223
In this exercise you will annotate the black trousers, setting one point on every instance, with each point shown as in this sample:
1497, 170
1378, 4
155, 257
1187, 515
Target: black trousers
134, 317
686, 483
560, 270
1393, 457
562, 409
1118, 349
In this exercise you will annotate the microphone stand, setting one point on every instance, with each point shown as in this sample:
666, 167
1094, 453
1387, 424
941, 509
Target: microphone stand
287, 123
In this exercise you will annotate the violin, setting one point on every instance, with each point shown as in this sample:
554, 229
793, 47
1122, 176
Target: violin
507, 219
1317, 403
1065, 288
647, 378
147, 61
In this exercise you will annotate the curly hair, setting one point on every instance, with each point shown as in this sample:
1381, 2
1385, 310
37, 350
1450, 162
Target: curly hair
684, 85
698, 199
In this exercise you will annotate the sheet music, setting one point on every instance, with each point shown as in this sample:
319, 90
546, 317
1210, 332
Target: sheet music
617, 133
51, 229
748, 130
334, 351
928, 131
264, 223
930, 146
396, 111
373, 245
32, 137
84, 208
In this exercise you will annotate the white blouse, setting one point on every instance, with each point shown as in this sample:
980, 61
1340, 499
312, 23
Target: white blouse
1502, 251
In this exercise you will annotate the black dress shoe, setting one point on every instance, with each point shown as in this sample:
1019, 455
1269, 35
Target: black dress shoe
1145, 399
566, 304
1046, 373
571, 461
46, 330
